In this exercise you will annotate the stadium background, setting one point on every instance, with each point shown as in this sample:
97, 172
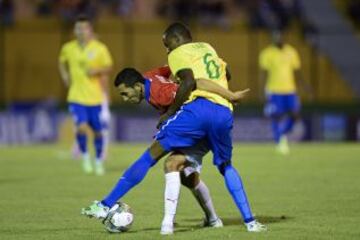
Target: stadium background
32, 32
312, 193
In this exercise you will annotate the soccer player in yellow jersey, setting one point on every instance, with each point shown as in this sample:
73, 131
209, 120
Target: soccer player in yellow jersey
84, 65
280, 66
194, 115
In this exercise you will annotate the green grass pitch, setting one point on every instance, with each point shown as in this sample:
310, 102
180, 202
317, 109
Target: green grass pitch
314, 193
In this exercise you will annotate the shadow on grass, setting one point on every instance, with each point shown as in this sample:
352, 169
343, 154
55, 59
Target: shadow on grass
230, 221
42, 230
194, 224
178, 228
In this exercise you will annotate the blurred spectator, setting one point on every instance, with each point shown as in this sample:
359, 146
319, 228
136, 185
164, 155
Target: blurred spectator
124, 7
87, 7
213, 12
70, 9
67, 10
353, 10
45, 7
178, 10
273, 14
207, 12
7, 12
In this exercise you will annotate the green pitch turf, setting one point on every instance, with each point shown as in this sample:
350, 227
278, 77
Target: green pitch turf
314, 193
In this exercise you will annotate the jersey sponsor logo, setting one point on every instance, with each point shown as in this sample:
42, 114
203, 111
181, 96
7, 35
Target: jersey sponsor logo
91, 55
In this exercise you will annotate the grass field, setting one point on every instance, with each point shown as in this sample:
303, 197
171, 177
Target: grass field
312, 194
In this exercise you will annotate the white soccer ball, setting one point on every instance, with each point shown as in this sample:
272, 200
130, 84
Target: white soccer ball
119, 219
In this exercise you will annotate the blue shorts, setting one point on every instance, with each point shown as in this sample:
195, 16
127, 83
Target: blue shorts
197, 120
86, 114
279, 104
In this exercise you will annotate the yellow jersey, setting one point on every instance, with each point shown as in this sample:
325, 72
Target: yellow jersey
84, 89
203, 60
280, 65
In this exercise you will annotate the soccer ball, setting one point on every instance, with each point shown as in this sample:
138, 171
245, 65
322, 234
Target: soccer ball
119, 218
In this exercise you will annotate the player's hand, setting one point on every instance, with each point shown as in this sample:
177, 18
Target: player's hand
238, 95
92, 72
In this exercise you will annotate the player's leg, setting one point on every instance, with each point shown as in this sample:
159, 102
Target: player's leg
96, 125
130, 178
105, 117
221, 146
182, 130
172, 166
81, 118
75, 150
276, 109
293, 109
273, 111
190, 178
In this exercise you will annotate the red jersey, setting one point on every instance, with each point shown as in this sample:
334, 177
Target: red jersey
160, 91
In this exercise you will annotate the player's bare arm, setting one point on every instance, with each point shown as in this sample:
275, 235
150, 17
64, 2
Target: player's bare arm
64, 73
263, 75
303, 84
92, 72
210, 86
104, 81
187, 85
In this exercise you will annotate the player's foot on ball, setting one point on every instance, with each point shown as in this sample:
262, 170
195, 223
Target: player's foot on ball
99, 168
255, 226
87, 166
167, 229
214, 224
96, 210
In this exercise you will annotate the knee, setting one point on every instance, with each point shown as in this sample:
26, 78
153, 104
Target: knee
222, 167
190, 181
82, 128
174, 163
98, 134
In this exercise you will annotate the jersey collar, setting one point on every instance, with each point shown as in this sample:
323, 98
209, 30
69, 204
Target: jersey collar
147, 85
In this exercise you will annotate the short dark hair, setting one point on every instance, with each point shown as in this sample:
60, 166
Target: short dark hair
128, 76
178, 29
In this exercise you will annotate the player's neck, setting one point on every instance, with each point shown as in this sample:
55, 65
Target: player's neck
84, 42
279, 45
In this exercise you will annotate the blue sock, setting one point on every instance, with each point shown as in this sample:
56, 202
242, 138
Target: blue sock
132, 176
82, 142
235, 187
288, 125
99, 146
276, 130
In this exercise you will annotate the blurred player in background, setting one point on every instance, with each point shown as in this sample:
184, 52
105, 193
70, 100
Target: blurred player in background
84, 65
159, 90
105, 118
280, 68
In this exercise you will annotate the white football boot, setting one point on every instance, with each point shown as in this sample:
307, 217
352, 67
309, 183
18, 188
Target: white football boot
96, 210
255, 226
213, 224
167, 229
